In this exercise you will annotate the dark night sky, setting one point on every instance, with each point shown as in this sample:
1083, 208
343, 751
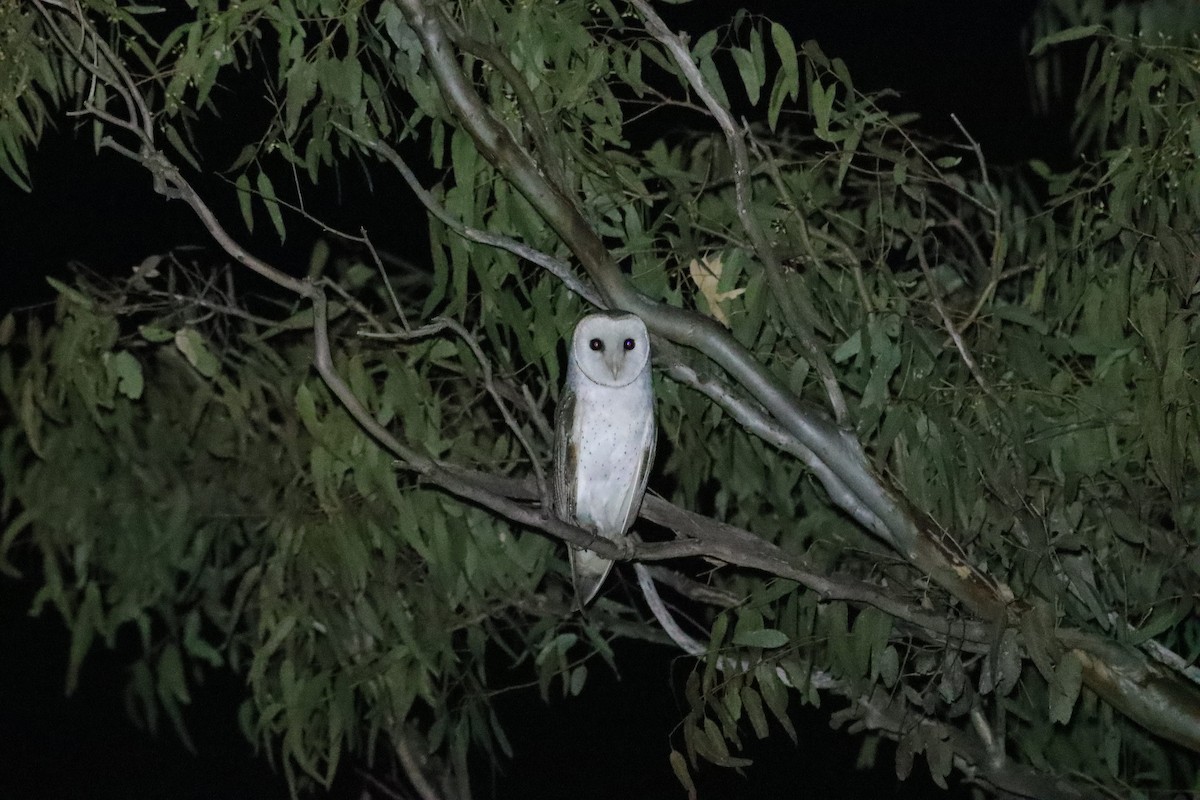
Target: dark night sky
944, 57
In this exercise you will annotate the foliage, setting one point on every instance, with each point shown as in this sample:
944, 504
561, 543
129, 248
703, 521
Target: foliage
1015, 350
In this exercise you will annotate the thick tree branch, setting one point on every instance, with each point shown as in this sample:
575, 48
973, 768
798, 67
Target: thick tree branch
704, 536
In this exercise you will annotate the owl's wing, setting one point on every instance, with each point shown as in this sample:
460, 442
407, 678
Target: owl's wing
588, 570
649, 440
565, 457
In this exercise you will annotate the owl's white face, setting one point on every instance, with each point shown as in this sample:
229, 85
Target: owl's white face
611, 348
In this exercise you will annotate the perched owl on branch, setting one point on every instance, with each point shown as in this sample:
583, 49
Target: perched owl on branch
604, 436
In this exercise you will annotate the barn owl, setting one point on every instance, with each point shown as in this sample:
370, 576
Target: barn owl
604, 436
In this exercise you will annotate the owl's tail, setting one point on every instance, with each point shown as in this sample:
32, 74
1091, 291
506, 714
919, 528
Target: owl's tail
588, 571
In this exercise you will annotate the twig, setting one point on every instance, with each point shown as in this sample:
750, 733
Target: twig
798, 315
521, 91
754, 419
977, 756
994, 212
535, 414
556, 267
948, 324
416, 776
220, 308
1160, 652
388, 790
894, 717
443, 323
383, 276
802, 227
818, 679
693, 589
118, 80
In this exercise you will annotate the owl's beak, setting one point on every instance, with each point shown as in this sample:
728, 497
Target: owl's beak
613, 361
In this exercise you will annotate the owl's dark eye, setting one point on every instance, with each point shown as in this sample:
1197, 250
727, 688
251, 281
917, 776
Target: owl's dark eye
630, 344
597, 345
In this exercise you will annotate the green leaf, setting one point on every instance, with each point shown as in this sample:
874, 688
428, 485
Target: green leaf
708, 69
127, 371
83, 632
18, 523
267, 191
177, 142
191, 343
74, 295
821, 98
775, 104
765, 638
788, 64
752, 702
11, 158
1064, 687
155, 334
889, 666
1068, 35
279, 633
939, 755
244, 198
752, 79
775, 695
680, 768
194, 643
705, 46
171, 681
578, 677
1008, 662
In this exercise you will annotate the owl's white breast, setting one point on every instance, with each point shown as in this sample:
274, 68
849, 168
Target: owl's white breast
612, 429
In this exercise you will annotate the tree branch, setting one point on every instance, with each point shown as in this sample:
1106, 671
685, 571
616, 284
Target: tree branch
442, 323
412, 768
893, 717
974, 752
797, 315
557, 268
